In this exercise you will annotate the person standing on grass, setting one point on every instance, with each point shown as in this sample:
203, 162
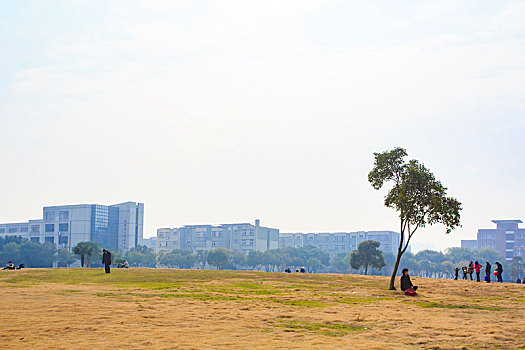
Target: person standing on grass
457, 272
499, 270
471, 270
464, 269
488, 266
106, 260
477, 267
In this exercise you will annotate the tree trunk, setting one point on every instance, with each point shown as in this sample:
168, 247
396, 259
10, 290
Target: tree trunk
394, 273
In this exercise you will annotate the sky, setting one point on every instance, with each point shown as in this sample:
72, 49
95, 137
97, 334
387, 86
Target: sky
227, 111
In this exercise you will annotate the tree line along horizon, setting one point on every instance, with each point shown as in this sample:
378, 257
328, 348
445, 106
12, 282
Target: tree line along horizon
412, 191
367, 259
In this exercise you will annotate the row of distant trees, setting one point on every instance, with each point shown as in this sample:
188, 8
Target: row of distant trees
367, 259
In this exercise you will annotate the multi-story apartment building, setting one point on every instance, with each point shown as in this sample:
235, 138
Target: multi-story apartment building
242, 237
341, 242
507, 238
150, 242
115, 227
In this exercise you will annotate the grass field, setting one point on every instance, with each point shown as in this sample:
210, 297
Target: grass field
198, 309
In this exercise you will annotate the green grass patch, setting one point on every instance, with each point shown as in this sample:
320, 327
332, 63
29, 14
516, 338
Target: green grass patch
301, 303
202, 297
362, 300
327, 329
67, 291
449, 306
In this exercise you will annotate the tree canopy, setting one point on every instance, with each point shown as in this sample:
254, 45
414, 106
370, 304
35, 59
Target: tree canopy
415, 194
366, 255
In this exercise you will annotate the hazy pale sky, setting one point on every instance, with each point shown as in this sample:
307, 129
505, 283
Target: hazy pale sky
228, 111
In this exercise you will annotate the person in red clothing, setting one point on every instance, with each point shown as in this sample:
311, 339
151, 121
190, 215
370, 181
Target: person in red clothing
477, 267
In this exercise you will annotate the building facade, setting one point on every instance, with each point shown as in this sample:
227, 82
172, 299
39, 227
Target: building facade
150, 242
115, 227
243, 237
507, 239
341, 242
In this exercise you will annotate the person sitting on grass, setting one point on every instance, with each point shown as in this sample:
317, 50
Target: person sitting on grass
406, 283
9, 266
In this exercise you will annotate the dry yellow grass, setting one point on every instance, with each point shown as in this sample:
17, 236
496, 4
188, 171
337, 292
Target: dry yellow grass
183, 309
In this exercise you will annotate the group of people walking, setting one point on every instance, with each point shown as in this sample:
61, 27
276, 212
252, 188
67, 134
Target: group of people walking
476, 267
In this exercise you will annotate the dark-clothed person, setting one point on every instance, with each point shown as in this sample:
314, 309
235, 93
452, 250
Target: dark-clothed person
499, 269
9, 266
457, 272
106, 260
470, 270
465, 271
406, 283
488, 266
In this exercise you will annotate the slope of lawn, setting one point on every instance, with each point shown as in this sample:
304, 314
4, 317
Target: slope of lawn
195, 309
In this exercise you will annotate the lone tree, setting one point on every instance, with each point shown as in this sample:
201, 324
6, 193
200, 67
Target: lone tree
419, 198
219, 257
84, 249
366, 255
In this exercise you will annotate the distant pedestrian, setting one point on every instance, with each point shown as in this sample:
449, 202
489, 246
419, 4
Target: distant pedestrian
457, 272
488, 266
106, 260
465, 271
499, 270
471, 270
477, 267
518, 281
523, 282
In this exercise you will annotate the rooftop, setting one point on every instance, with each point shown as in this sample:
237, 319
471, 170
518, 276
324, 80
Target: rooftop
507, 221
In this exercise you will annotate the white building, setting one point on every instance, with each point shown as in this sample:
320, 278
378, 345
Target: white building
115, 227
243, 237
341, 242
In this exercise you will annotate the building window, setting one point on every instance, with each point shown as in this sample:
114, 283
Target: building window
2, 230
63, 215
62, 239
50, 216
509, 246
50, 239
50, 227
35, 239
63, 227
24, 229
35, 228
13, 229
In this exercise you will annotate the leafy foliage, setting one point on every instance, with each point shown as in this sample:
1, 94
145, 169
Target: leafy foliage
415, 194
87, 251
219, 257
366, 255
